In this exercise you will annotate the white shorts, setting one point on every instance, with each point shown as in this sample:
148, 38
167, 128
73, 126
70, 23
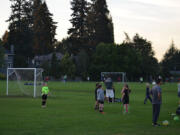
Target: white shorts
109, 93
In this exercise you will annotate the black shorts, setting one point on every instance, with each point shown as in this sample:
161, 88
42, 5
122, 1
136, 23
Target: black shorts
44, 96
126, 100
101, 102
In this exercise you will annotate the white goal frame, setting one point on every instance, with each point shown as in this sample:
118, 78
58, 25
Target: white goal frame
35, 71
120, 73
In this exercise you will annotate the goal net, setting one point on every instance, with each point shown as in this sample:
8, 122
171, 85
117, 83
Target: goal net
115, 76
24, 81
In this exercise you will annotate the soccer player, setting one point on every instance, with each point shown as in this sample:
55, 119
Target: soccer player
46, 79
147, 94
100, 98
65, 78
109, 89
179, 91
96, 101
125, 98
45, 91
156, 101
141, 79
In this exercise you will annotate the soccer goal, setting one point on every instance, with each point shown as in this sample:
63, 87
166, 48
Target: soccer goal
24, 82
115, 76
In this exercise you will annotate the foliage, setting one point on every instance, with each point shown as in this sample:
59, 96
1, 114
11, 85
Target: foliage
171, 60
1, 54
91, 25
5, 37
82, 64
46, 66
67, 46
149, 64
67, 66
103, 22
115, 58
31, 30
78, 32
20, 31
55, 67
44, 29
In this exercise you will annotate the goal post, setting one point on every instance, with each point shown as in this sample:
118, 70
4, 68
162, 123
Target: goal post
24, 82
115, 76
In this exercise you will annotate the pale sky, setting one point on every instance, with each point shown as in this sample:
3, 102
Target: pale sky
156, 20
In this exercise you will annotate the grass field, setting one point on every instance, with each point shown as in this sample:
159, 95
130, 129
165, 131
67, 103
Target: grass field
70, 111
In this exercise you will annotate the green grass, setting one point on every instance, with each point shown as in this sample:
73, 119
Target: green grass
70, 111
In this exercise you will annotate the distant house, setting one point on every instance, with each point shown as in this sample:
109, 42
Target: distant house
39, 60
9, 58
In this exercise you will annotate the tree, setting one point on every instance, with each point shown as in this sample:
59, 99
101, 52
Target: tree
1, 54
142, 45
115, 58
44, 29
171, 60
67, 66
103, 24
5, 38
82, 64
78, 32
55, 67
20, 32
149, 65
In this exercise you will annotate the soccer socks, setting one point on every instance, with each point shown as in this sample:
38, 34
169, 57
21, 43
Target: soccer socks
100, 109
126, 108
43, 103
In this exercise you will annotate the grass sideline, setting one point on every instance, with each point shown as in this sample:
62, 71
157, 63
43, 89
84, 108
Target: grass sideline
70, 112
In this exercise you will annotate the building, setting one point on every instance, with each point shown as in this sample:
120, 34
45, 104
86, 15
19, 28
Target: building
39, 60
9, 58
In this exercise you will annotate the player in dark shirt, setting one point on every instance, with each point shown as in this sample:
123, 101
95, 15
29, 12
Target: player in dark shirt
125, 97
156, 101
147, 94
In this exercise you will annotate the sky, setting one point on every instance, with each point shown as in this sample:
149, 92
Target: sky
156, 20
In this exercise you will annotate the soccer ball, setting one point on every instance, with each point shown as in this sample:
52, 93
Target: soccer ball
165, 123
153, 83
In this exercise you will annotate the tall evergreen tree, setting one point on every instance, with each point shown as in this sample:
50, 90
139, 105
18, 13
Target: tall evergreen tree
104, 31
78, 32
142, 45
171, 60
1, 54
20, 31
44, 29
149, 65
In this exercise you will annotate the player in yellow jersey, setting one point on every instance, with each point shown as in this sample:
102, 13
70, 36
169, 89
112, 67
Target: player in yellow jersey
45, 91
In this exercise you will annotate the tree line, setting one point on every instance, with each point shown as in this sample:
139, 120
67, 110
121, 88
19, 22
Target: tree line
89, 48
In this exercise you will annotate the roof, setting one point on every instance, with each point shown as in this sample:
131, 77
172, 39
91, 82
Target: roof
48, 57
175, 72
